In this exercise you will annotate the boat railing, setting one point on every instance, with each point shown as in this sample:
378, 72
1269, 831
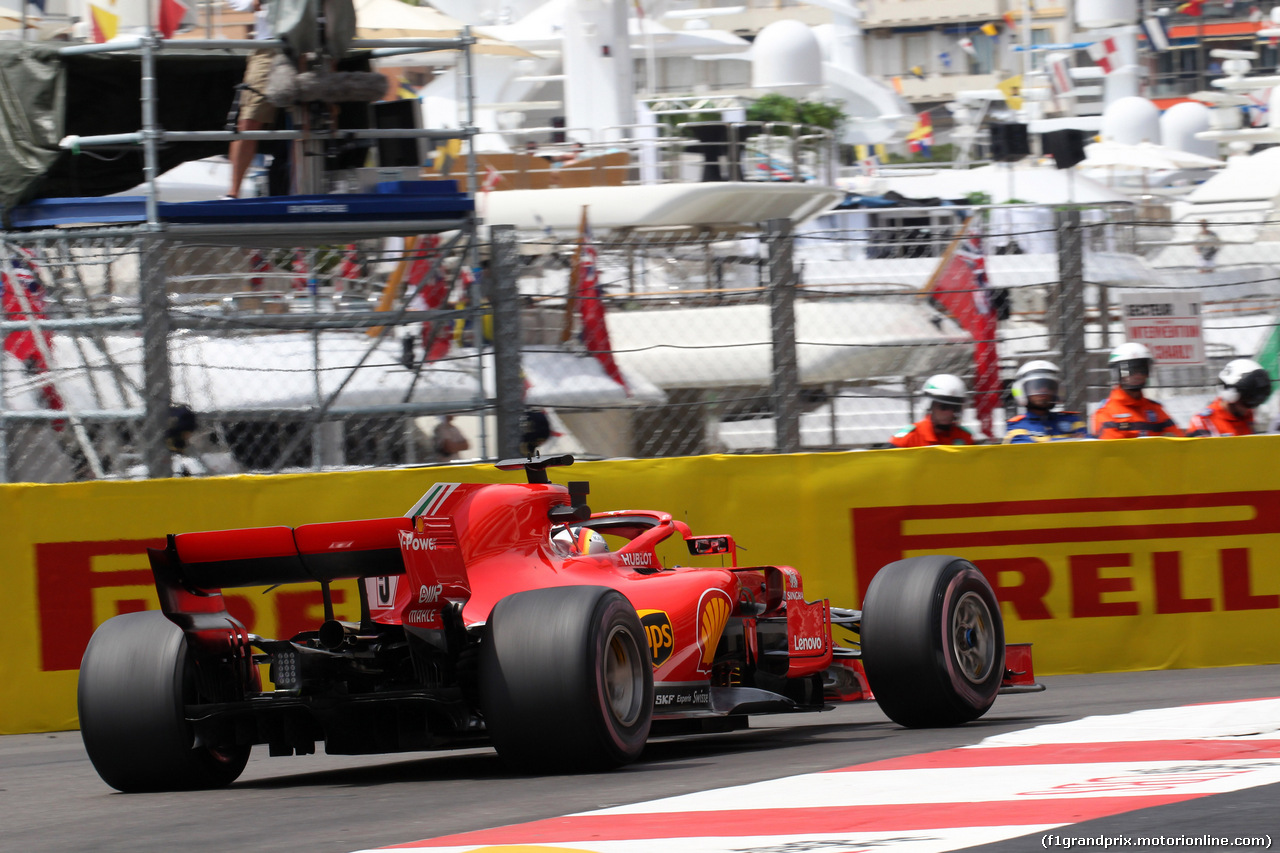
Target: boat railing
659, 153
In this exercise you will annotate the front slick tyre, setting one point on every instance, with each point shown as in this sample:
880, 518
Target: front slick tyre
135, 680
932, 641
566, 679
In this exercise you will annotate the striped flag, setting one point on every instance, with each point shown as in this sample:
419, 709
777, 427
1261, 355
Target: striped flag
1105, 53
1157, 33
1059, 66
105, 24
920, 139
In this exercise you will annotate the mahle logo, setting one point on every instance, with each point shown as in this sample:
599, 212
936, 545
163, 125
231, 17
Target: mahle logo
657, 627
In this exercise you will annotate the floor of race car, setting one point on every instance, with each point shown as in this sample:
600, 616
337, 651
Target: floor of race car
843, 781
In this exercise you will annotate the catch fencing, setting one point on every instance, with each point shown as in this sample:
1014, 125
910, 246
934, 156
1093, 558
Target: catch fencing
634, 345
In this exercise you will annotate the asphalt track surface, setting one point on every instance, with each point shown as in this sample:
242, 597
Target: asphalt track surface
52, 801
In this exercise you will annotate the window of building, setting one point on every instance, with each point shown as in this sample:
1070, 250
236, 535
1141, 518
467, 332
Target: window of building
1040, 35
983, 60
915, 51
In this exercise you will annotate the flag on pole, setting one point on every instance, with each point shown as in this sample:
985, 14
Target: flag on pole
1012, 90
492, 177
1059, 67
920, 139
873, 155
257, 266
430, 286
22, 297
1156, 32
299, 269
23, 300
169, 17
595, 332
1194, 8
105, 24
990, 29
966, 44
959, 285
1105, 53
917, 71
1010, 19
351, 269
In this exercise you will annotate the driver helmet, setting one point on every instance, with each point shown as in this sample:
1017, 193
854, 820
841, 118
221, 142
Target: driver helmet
583, 540
1127, 360
1246, 382
945, 389
1037, 377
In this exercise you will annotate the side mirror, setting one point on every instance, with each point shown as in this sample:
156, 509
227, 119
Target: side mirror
703, 545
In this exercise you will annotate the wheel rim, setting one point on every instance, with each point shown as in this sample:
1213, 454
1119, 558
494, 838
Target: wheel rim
623, 677
973, 637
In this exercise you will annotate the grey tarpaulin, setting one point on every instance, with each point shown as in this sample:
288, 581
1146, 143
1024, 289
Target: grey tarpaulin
44, 97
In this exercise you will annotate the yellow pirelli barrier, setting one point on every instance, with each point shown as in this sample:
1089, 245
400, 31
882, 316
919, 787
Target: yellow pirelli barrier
1108, 556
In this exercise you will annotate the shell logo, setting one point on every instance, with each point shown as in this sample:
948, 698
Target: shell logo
713, 614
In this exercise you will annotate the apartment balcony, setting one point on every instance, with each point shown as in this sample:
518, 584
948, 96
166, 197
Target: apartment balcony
897, 13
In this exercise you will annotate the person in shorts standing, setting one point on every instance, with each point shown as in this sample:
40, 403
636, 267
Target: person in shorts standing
256, 112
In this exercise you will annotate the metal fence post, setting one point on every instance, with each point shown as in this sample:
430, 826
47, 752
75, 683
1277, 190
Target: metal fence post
782, 313
507, 338
1070, 310
156, 383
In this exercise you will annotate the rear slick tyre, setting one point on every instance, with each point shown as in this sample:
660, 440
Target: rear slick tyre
135, 679
932, 641
566, 679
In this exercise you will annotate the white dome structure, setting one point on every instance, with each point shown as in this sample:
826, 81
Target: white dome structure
1131, 120
786, 55
1179, 125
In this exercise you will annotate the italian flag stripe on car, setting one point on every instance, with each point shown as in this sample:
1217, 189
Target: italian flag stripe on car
435, 497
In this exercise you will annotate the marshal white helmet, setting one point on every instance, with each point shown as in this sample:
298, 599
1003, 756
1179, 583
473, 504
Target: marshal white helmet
1130, 359
1246, 382
1035, 378
946, 389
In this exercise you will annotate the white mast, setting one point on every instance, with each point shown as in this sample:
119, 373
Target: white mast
599, 83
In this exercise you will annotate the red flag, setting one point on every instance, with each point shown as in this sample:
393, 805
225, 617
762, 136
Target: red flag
299, 269
257, 265
595, 333
436, 334
960, 286
350, 269
23, 293
23, 299
170, 17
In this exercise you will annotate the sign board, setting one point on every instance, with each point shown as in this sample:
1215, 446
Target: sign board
1169, 324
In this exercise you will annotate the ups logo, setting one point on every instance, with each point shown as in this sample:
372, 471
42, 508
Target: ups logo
657, 627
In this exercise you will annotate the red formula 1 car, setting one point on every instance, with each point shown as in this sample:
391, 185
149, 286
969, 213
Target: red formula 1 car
499, 614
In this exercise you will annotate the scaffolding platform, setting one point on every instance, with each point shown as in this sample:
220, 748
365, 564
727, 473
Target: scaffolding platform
393, 201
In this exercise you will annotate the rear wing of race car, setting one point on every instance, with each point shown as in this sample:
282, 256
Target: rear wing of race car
193, 568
